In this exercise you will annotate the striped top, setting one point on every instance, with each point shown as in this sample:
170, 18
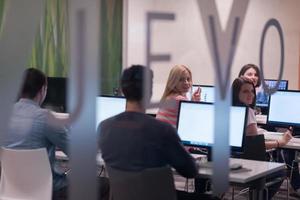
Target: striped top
168, 111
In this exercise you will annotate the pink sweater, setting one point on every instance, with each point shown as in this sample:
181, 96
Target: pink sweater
168, 112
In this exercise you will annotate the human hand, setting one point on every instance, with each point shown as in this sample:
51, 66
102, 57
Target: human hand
196, 95
286, 137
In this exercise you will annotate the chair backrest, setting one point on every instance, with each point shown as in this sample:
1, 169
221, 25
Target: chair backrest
149, 184
255, 148
25, 174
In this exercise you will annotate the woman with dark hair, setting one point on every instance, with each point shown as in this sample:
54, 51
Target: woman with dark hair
243, 93
251, 71
32, 127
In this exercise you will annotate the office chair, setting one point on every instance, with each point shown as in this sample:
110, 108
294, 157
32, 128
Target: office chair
149, 184
292, 164
295, 161
255, 149
25, 175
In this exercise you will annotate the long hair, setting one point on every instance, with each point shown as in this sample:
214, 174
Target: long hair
248, 66
174, 78
236, 89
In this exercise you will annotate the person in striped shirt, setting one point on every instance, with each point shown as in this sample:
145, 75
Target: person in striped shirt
178, 85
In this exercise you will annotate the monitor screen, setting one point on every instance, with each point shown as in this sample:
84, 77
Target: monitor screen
207, 93
284, 108
108, 106
262, 99
56, 94
196, 124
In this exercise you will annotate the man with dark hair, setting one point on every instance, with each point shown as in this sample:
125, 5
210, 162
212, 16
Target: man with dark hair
33, 127
30, 126
34, 81
134, 141
132, 82
142, 141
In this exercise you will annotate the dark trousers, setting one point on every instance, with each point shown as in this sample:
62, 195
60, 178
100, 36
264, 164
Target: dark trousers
289, 156
272, 190
103, 190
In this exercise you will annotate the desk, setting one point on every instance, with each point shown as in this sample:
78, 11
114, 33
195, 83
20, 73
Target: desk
60, 115
294, 143
252, 172
257, 170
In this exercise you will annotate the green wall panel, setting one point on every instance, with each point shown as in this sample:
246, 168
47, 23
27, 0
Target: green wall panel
111, 46
49, 52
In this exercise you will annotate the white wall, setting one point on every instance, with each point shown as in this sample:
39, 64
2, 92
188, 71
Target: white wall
185, 39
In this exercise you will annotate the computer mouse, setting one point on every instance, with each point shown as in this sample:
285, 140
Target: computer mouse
235, 166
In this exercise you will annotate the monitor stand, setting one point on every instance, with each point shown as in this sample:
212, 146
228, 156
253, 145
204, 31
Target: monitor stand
296, 132
209, 154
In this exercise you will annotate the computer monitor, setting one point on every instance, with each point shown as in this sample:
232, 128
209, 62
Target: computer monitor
207, 93
284, 109
262, 99
195, 125
56, 94
108, 106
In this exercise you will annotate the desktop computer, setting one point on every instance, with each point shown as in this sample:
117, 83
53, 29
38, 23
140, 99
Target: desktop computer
196, 122
56, 98
108, 106
284, 109
262, 99
207, 93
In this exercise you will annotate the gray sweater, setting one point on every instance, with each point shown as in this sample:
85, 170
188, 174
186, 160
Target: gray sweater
134, 141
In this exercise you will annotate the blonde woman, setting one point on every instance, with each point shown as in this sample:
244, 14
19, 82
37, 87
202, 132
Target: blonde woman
178, 85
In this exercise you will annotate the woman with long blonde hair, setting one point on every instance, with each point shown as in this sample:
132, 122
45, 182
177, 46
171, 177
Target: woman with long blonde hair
178, 85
